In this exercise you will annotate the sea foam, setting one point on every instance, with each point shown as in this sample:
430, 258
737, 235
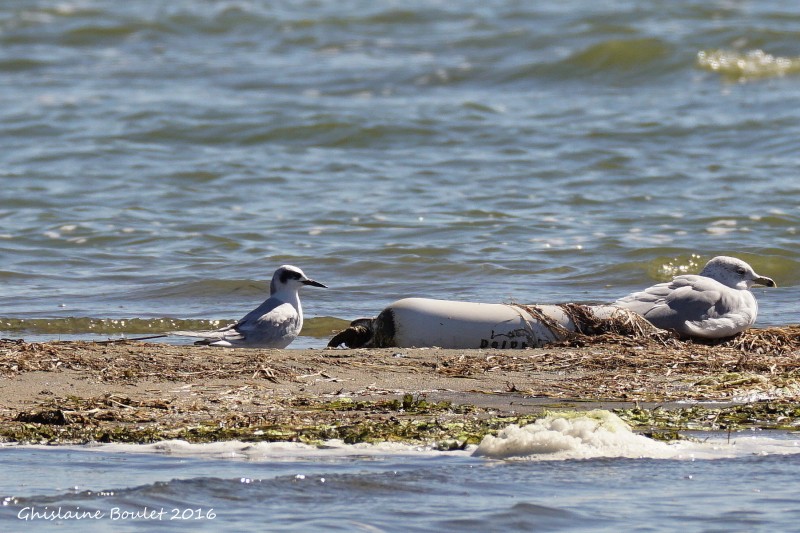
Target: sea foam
599, 433
269, 451
572, 435
566, 435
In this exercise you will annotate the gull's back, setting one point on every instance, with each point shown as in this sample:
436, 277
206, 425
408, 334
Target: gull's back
695, 306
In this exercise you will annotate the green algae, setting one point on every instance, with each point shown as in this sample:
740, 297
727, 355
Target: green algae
771, 415
410, 419
409, 403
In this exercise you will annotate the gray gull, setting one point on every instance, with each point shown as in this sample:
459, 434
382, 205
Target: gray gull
714, 304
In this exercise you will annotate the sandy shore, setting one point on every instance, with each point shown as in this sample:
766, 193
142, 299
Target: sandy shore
76, 392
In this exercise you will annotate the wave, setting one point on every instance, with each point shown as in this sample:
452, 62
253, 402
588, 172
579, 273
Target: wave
626, 60
318, 327
270, 451
664, 263
747, 66
78, 25
317, 131
566, 435
602, 434
620, 55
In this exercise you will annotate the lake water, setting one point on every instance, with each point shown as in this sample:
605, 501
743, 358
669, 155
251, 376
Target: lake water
159, 160
747, 482
573, 474
162, 159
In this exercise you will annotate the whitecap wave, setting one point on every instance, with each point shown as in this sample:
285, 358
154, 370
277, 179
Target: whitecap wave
745, 66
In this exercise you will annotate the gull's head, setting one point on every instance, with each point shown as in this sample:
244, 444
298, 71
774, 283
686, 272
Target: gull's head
290, 278
734, 273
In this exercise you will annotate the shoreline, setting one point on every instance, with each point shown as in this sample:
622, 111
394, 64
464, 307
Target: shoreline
75, 392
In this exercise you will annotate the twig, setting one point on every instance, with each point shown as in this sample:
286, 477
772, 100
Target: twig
126, 339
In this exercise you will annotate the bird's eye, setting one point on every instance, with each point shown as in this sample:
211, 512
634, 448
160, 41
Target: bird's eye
740, 271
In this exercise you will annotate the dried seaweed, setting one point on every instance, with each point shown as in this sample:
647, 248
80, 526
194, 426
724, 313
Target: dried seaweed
225, 394
126, 362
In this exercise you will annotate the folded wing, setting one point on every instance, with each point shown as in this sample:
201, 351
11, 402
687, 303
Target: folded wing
695, 306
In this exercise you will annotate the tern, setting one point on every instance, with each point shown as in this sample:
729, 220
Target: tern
273, 324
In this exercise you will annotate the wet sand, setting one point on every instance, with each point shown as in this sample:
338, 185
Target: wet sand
77, 392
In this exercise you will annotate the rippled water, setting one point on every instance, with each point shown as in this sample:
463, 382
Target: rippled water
160, 160
393, 488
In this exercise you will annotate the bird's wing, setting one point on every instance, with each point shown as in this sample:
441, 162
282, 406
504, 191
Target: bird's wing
685, 301
734, 311
228, 333
207, 333
273, 323
269, 305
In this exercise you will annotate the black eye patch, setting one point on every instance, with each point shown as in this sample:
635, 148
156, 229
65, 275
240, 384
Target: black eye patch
286, 275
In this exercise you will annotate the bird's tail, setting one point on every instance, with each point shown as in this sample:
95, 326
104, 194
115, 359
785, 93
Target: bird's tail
192, 333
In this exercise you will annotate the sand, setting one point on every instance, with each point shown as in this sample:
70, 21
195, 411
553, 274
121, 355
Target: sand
78, 392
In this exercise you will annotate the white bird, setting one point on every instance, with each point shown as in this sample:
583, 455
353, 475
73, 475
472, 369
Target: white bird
273, 324
715, 304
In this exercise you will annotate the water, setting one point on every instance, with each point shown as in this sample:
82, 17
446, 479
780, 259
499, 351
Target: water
160, 160
747, 484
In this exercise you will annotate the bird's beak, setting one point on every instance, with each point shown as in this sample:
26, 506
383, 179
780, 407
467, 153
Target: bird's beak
318, 284
763, 280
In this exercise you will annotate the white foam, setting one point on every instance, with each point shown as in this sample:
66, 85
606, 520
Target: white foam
562, 436
270, 451
738, 445
574, 435
594, 434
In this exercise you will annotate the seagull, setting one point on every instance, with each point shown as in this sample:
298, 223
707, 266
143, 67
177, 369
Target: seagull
273, 324
714, 304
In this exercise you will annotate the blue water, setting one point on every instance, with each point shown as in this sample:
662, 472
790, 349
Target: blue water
399, 491
160, 160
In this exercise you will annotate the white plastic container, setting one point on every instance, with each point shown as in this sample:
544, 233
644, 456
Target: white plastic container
424, 322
